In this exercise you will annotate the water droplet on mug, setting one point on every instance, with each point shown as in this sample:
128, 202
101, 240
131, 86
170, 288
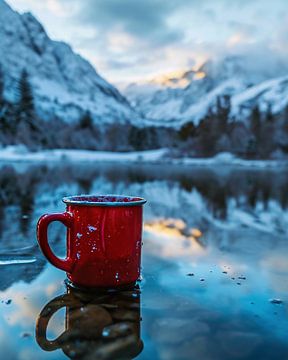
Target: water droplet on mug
105, 332
127, 261
79, 235
78, 255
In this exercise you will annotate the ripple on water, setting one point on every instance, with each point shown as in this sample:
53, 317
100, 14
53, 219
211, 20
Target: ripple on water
14, 260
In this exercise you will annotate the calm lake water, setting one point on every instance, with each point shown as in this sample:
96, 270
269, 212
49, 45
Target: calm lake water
215, 266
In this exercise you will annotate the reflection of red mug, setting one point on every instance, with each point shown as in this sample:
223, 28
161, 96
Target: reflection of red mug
97, 325
103, 239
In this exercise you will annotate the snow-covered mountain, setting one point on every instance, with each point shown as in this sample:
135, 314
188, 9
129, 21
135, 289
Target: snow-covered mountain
64, 84
175, 100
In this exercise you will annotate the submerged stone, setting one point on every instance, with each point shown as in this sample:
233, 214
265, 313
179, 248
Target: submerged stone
276, 301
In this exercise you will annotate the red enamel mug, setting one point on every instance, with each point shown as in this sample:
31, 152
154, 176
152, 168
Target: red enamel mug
104, 239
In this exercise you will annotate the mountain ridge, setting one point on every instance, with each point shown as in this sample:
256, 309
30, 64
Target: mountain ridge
174, 106
65, 85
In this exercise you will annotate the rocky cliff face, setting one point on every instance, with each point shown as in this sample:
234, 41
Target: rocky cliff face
64, 84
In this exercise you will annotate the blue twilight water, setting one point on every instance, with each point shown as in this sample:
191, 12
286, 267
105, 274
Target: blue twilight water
214, 259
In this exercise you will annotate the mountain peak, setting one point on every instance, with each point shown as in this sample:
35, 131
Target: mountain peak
248, 82
29, 18
65, 85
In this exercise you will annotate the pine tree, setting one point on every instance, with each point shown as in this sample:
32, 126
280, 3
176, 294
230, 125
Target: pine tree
5, 108
285, 122
28, 129
255, 123
206, 134
223, 108
134, 137
268, 139
187, 131
26, 101
1, 87
86, 121
153, 138
251, 150
269, 116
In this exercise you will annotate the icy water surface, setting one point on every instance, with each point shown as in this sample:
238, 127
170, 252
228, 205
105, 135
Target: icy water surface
215, 267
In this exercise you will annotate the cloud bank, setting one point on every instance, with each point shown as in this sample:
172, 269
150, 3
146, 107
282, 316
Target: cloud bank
127, 40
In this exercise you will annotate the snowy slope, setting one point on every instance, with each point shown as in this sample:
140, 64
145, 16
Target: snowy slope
271, 92
64, 84
235, 76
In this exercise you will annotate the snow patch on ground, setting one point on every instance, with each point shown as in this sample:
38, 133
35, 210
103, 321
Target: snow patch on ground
227, 158
21, 154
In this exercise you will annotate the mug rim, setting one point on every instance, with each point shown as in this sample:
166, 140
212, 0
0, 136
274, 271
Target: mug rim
74, 200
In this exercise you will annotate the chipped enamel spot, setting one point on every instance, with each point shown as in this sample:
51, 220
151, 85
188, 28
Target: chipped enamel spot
79, 235
91, 228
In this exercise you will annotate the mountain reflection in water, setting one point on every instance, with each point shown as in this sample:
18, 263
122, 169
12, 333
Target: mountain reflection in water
214, 255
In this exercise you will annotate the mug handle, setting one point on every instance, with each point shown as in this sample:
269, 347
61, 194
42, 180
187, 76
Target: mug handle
42, 323
42, 227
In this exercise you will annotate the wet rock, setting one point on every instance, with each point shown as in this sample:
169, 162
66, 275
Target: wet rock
26, 335
276, 301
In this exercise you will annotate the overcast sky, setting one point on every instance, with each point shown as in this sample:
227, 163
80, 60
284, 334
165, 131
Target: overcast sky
128, 40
